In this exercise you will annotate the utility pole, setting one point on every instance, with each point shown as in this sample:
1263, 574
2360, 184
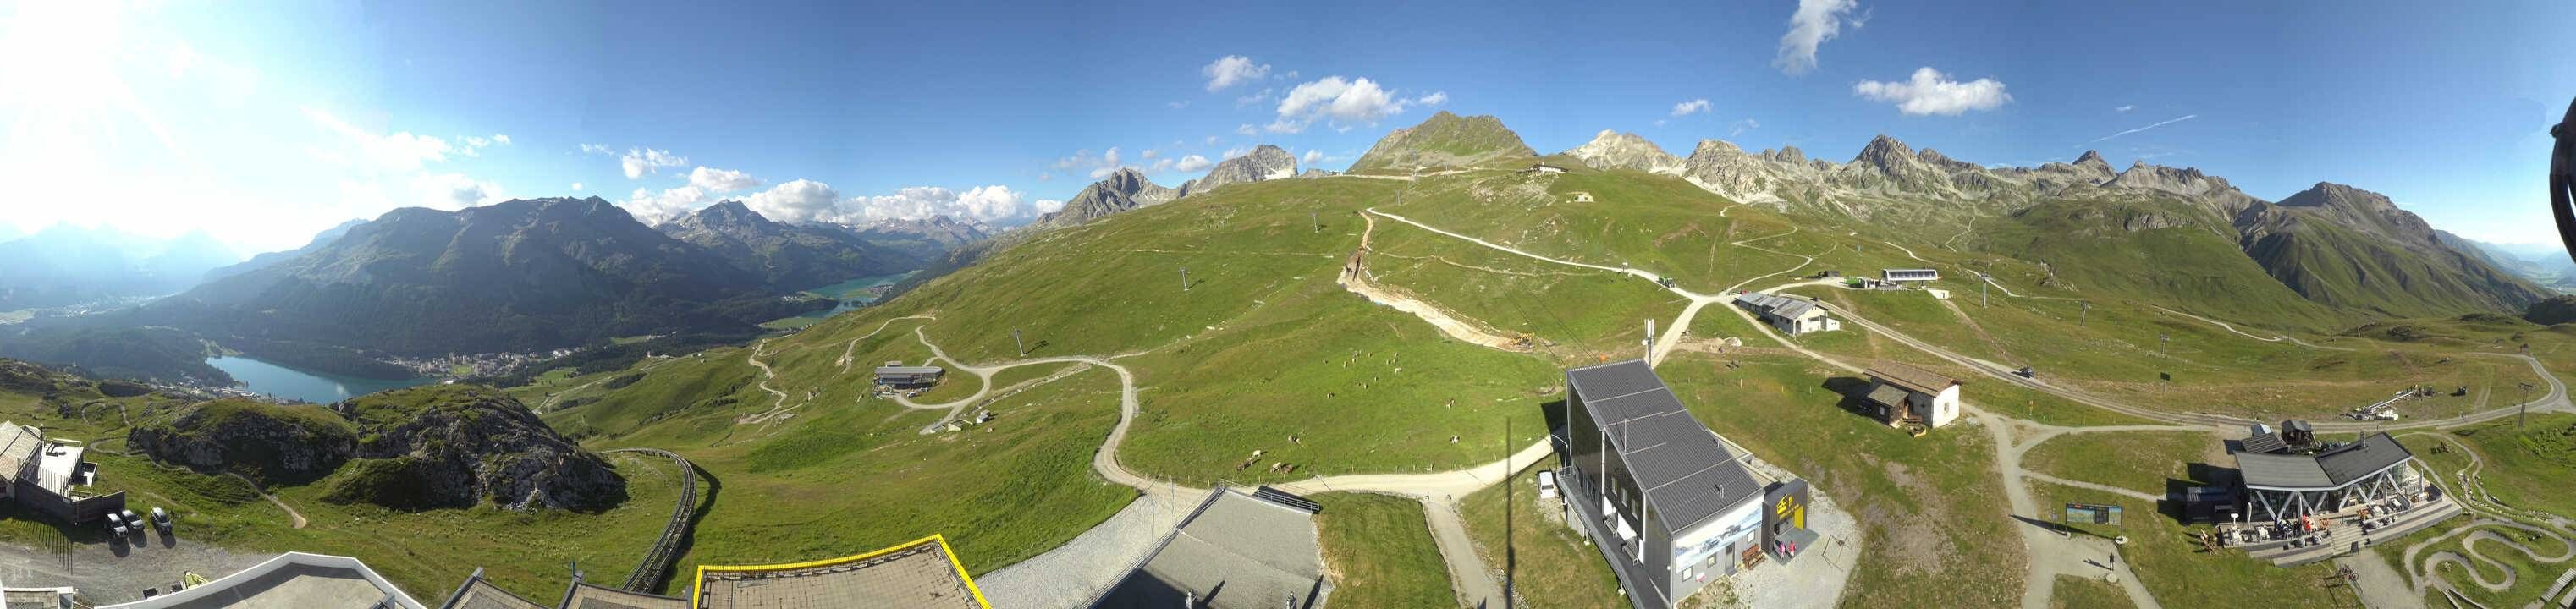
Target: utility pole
1015, 341
2524, 411
2082, 317
1318, 219
1650, 342
1185, 279
2161, 339
1984, 286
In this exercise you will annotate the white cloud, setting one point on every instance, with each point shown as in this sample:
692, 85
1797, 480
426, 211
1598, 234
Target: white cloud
1434, 99
1313, 156
1815, 22
640, 161
2158, 124
1162, 166
1231, 69
721, 180
1254, 98
1336, 102
1176, 105
651, 208
989, 204
453, 191
1237, 151
1193, 163
797, 201
1096, 165
1690, 107
597, 149
1211, 140
1742, 126
1149, 154
1929, 92
576, 187
501, 139
400, 151
2125, 108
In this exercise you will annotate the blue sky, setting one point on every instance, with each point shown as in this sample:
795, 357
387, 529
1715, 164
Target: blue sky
263, 123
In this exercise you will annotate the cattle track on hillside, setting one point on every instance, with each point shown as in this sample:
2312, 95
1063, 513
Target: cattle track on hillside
658, 561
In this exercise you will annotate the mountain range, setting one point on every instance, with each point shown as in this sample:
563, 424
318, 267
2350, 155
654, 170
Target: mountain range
2344, 250
65, 264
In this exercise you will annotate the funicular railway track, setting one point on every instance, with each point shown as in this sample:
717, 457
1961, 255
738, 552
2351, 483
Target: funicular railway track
658, 561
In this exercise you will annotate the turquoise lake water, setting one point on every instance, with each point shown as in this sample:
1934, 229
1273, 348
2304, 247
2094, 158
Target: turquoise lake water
281, 381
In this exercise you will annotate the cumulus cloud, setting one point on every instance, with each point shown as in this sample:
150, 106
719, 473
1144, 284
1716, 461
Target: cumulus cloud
989, 204
656, 208
1337, 102
797, 201
640, 161
1096, 165
1815, 22
1176, 105
1930, 92
1255, 98
1313, 156
576, 187
1193, 163
1742, 126
1434, 99
1691, 107
454, 191
1230, 70
721, 180
597, 149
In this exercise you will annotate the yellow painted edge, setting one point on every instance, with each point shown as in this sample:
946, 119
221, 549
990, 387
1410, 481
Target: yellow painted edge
697, 595
961, 572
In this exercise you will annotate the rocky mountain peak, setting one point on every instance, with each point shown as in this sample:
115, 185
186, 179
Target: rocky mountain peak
1883, 151
1123, 190
725, 214
2092, 159
1788, 154
1614, 150
1265, 162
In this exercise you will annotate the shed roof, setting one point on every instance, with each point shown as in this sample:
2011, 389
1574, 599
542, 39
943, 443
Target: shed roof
1911, 378
2264, 443
1688, 475
1888, 394
2328, 470
908, 370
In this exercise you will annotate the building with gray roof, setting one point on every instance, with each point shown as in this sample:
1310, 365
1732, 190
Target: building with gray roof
294, 580
1669, 504
2283, 487
1791, 315
1236, 551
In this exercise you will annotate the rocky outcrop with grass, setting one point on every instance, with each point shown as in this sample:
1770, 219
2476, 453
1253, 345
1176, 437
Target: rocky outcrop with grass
437, 446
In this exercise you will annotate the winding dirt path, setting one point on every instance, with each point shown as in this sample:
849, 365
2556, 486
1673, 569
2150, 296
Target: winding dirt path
295, 517
1355, 277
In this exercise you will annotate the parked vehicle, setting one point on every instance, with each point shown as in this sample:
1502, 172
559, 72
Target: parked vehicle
1547, 485
161, 519
116, 524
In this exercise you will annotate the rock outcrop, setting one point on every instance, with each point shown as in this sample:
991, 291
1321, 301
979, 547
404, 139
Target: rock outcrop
1614, 150
435, 446
1123, 190
1266, 162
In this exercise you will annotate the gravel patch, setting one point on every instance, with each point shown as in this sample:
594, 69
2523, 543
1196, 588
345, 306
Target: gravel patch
1817, 578
117, 573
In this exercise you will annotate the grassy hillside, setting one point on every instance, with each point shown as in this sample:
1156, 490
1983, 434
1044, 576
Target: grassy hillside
1446, 141
2176, 254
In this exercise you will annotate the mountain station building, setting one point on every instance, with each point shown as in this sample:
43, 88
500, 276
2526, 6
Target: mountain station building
1791, 315
1670, 505
899, 376
1909, 275
47, 476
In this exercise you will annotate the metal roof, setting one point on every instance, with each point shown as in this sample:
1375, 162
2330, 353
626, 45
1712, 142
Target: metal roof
2264, 443
1236, 551
1688, 475
1911, 378
18, 446
2329, 470
1777, 305
902, 370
